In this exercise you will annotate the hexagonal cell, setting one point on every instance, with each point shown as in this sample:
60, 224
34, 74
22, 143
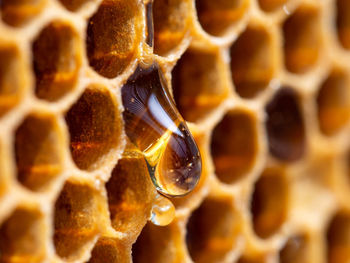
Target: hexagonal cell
252, 61
333, 101
19, 12
302, 40
212, 230
296, 249
157, 244
216, 17
38, 150
271, 5
113, 36
171, 22
285, 126
253, 258
269, 202
56, 60
95, 127
234, 146
338, 237
109, 250
198, 84
74, 5
343, 22
77, 213
22, 237
10, 84
130, 194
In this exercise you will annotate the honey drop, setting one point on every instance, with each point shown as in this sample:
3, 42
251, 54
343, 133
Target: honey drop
154, 125
163, 211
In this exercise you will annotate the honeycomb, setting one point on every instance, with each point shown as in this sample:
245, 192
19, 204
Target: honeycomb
264, 86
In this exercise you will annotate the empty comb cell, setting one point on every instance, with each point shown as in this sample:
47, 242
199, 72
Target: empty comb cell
154, 125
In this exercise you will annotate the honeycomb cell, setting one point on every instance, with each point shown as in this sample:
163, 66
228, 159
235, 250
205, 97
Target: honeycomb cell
302, 40
157, 245
56, 61
109, 250
212, 230
271, 5
296, 249
252, 61
269, 202
113, 36
333, 101
234, 146
253, 258
38, 150
22, 237
338, 237
285, 126
94, 127
343, 22
74, 5
197, 83
130, 193
216, 17
10, 85
171, 23
19, 12
77, 211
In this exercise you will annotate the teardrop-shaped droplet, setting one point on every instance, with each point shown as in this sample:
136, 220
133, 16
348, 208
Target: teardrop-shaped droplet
154, 125
163, 211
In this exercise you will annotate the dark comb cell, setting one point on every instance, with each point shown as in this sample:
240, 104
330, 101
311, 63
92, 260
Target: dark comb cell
285, 126
154, 125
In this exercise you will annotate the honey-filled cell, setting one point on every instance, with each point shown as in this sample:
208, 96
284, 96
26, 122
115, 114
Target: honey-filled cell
130, 193
217, 17
333, 103
269, 205
22, 237
271, 5
212, 230
343, 22
113, 36
109, 250
338, 238
252, 61
95, 127
197, 83
171, 23
302, 40
157, 244
234, 146
11, 87
20, 12
56, 60
296, 249
38, 151
76, 216
74, 5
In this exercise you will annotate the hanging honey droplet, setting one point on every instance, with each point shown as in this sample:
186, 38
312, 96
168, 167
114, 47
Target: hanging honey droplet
154, 125
163, 211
